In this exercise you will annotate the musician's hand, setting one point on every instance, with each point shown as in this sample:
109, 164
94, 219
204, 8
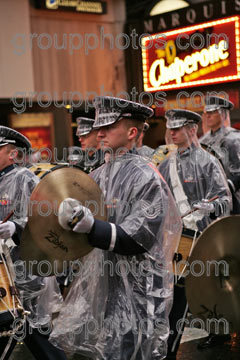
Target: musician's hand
73, 216
205, 206
7, 229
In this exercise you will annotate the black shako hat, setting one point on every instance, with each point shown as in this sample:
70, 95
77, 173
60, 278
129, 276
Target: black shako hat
111, 109
213, 103
177, 118
85, 126
10, 136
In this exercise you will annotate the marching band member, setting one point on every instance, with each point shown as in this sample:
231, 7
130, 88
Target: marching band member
225, 142
125, 288
143, 150
93, 157
16, 186
75, 155
194, 177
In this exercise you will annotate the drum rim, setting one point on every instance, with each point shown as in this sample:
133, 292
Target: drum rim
56, 167
190, 233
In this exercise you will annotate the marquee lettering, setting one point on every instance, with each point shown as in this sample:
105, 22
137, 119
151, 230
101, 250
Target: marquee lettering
188, 65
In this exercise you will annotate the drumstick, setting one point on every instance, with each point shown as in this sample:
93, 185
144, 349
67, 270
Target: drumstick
77, 217
8, 217
191, 211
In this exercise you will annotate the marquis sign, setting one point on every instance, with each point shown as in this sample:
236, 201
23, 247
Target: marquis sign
203, 54
85, 6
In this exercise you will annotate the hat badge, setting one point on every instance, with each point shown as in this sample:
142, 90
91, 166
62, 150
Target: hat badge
171, 114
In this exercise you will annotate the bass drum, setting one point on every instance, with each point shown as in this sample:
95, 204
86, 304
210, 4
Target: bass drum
42, 169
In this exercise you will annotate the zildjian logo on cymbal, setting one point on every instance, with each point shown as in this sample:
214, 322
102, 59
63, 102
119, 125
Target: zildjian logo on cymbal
53, 238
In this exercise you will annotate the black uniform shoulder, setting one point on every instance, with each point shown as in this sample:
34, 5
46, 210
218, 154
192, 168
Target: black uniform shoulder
232, 136
25, 177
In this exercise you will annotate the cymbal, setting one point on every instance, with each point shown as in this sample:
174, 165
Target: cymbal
45, 245
213, 282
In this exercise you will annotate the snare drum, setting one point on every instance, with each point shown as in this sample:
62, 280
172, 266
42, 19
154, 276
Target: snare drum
42, 169
8, 298
185, 247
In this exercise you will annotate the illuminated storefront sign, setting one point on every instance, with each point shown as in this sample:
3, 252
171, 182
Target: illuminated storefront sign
85, 6
198, 55
37, 127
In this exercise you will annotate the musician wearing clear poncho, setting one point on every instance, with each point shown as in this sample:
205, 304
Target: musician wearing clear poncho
118, 306
197, 182
144, 150
92, 156
16, 186
194, 175
224, 141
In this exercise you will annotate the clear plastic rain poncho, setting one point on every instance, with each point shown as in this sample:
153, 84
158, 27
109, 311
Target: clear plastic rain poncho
195, 177
16, 187
225, 143
118, 306
145, 151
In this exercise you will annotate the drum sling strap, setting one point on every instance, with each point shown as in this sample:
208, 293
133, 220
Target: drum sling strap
181, 198
189, 220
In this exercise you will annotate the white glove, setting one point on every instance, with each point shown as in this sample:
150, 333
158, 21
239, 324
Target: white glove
73, 216
205, 206
7, 229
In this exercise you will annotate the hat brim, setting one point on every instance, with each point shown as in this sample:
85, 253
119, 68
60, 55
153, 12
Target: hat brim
176, 124
84, 133
174, 127
212, 108
98, 125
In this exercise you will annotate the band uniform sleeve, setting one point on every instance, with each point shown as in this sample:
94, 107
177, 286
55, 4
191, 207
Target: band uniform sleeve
18, 233
146, 209
108, 236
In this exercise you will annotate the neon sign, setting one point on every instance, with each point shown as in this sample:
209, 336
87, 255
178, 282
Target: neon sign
191, 56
